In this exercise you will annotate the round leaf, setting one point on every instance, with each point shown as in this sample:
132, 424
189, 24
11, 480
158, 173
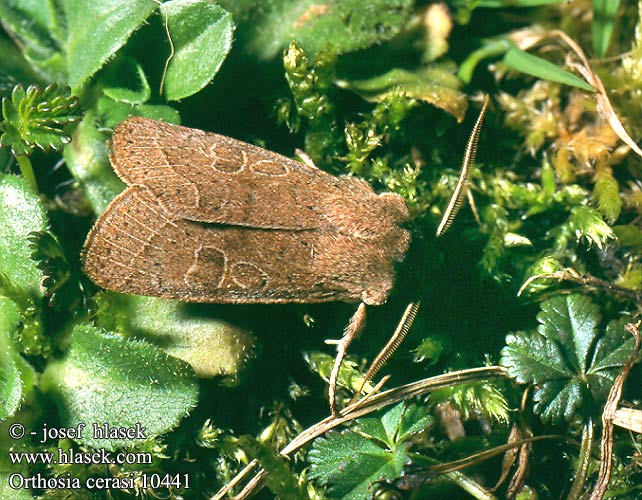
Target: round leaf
201, 32
105, 379
97, 30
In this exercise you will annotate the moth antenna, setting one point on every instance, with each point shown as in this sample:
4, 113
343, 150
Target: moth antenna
468, 163
354, 328
391, 346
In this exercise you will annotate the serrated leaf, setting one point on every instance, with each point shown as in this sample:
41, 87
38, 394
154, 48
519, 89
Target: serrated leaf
395, 425
614, 347
571, 321
61, 282
97, 30
103, 378
564, 359
541, 68
37, 117
350, 464
202, 33
21, 213
383, 428
413, 420
558, 398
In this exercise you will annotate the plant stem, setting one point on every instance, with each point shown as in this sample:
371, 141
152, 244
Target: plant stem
588, 434
470, 486
27, 171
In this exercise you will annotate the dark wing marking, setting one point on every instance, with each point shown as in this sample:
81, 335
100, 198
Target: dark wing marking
138, 247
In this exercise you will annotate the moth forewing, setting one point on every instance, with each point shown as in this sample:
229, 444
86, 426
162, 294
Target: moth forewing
207, 218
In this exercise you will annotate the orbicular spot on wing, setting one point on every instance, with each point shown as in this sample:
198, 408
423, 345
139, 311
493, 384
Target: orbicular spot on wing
207, 269
248, 276
269, 167
227, 160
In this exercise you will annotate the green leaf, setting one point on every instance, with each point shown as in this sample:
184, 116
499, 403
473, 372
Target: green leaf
103, 378
629, 235
531, 359
571, 321
541, 68
113, 112
434, 86
383, 428
7, 492
413, 420
571, 368
280, 480
88, 162
21, 213
501, 4
349, 374
490, 48
604, 15
97, 30
350, 464
614, 347
213, 347
348, 25
202, 33
607, 193
16, 376
38, 27
126, 82
588, 223
61, 282
37, 117
558, 398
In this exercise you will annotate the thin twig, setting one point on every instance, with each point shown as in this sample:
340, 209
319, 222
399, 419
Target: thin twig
364, 407
606, 446
573, 276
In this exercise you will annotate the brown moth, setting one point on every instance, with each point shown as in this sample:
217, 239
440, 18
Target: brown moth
207, 218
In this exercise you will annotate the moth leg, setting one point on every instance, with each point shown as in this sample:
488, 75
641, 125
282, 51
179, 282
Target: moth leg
354, 328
